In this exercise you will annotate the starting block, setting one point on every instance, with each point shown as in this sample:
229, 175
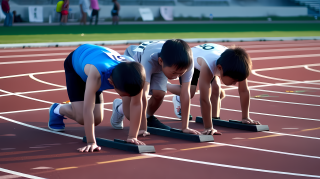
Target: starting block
178, 134
123, 145
236, 125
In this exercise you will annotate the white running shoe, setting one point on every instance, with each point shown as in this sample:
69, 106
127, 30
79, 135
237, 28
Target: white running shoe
116, 119
177, 106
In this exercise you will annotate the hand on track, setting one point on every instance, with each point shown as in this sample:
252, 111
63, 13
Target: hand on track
135, 141
191, 131
211, 132
89, 148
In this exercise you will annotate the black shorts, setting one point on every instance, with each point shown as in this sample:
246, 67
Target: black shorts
75, 85
195, 78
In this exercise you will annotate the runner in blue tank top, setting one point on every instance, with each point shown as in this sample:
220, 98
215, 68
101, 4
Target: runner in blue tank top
89, 70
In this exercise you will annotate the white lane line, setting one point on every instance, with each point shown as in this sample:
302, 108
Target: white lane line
39, 128
281, 45
292, 135
55, 49
19, 174
265, 150
26, 97
274, 101
35, 55
31, 61
287, 67
285, 57
264, 114
44, 82
232, 166
30, 92
306, 67
27, 74
283, 50
298, 94
285, 85
27, 110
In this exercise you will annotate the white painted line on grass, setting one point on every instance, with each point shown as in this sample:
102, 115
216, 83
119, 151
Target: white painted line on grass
19, 174
232, 166
265, 150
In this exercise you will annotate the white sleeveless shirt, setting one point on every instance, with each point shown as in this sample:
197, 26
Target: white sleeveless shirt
210, 52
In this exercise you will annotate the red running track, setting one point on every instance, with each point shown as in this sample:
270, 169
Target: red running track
32, 79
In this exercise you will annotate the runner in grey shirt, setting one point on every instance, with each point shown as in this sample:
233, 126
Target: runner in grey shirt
162, 60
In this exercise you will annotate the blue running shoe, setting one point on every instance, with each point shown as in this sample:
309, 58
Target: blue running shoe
56, 121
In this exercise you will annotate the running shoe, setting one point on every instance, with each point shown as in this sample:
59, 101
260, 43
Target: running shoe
55, 121
154, 122
116, 119
177, 107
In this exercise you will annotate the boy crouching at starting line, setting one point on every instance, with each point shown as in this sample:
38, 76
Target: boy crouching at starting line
162, 61
212, 63
89, 70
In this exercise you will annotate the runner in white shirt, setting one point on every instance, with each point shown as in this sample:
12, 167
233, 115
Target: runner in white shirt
162, 61
231, 66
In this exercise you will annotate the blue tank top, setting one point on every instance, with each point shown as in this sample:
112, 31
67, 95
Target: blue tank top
104, 59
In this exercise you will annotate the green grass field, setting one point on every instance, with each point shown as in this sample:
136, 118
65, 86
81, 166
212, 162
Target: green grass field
30, 34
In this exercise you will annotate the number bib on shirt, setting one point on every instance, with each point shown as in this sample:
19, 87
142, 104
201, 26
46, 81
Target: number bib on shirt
142, 46
212, 47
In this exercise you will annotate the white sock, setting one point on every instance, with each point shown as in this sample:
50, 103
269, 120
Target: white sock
120, 109
57, 109
178, 98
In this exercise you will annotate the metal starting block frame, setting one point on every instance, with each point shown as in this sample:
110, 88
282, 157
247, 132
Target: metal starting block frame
178, 134
235, 124
123, 145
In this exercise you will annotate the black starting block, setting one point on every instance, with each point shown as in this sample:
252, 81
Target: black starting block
123, 145
236, 125
178, 134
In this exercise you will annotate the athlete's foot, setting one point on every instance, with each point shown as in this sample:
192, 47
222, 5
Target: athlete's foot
177, 107
250, 121
55, 121
116, 119
154, 122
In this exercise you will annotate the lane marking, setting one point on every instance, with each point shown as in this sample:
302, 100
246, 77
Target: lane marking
39, 128
283, 50
19, 174
35, 55
30, 92
28, 110
44, 82
39, 100
311, 129
31, 61
285, 57
265, 150
202, 147
274, 101
285, 84
232, 166
27, 74
124, 159
306, 67
57, 49
66, 168
290, 128
299, 94
265, 114
266, 136
292, 135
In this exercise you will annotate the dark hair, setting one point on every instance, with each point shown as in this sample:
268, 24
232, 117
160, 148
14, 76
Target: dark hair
235, 63
129, 77
176, 52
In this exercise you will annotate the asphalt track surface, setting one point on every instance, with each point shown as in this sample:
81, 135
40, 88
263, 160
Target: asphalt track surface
31, 79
